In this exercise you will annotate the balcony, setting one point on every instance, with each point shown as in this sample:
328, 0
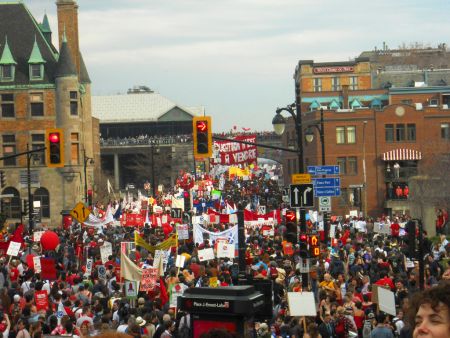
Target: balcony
401, 174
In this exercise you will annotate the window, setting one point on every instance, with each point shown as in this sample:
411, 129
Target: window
335, 83
37, 104
445, 131
340, 135
406, 102
37, 142
75, 148
352, 165
399, 132
345, 135
317, 85
42, 195
7, 105
342, 163
411, 132
11, 207
73, 103
9, 148
389, 132
36, 71
6, 72
351, 134
353, 82
434, 102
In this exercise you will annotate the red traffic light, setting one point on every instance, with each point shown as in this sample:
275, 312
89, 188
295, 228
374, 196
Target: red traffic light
186, 194
303, 238
202, 126
53, 137
290, 215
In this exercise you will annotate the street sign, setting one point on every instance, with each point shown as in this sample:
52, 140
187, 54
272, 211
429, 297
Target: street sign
80, 212
176, 212
328, 182
319, 192
325, 203
301, 195
323, 169
301, 178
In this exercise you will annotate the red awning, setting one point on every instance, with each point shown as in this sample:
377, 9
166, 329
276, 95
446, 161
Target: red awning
402, 155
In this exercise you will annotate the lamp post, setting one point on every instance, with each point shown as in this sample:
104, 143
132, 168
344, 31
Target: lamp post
86, 160
30, 197
309, 137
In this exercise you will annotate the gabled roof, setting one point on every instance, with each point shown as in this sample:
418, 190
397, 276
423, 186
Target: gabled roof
147, 107
7, 58
17, 23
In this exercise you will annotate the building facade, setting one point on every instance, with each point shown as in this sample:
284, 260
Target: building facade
43, 87
382, 127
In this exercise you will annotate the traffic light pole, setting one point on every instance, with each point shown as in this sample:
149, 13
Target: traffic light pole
29, 153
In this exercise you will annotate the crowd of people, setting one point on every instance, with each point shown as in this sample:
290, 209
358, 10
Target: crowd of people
82, 302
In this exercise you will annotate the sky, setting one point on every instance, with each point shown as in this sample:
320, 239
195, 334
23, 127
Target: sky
236, 58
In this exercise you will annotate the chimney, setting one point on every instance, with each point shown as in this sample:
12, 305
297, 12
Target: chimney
68, 23
345, 96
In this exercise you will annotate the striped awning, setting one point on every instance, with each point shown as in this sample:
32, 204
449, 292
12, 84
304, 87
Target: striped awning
402, 155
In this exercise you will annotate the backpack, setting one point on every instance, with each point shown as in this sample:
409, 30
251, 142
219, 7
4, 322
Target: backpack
367, 329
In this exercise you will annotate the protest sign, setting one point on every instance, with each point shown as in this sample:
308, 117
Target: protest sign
41, 300
131, 290
179, 263
37, 264
225, 250
301, 304
149, 277
183, 231
13, 248
89, 263
37, 236
105, 252
206, 254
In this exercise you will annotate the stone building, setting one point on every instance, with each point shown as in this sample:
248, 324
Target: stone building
44, 87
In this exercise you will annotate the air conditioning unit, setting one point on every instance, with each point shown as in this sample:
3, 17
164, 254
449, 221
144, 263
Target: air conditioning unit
419, 106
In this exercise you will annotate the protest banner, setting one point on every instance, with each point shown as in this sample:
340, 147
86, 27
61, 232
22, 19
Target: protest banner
41, 300
231, 153
149, 277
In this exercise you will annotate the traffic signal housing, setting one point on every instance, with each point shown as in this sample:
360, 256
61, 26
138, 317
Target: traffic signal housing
314, 247
303, 243
202, 136
291, 226
2, 179
54, 148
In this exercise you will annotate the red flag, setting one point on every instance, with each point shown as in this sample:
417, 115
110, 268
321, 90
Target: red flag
17, 236
163, 292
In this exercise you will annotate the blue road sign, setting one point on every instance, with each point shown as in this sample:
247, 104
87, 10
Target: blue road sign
328, 182
323, 170
321, 192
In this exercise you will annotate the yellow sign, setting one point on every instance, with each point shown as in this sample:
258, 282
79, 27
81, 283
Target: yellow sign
301, 178
80, 212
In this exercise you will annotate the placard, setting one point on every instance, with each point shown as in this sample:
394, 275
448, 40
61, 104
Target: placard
206, 254
89, 263
332, 230
179, 263
183, 231
37, 236
13, 248
382, 228
386, 301
131, 289
41, 300
149, 277
224, 249
37, 264
301, 304
101, 271
106, 251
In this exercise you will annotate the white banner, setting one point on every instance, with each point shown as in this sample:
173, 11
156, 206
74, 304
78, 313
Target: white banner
230, 234
94, 221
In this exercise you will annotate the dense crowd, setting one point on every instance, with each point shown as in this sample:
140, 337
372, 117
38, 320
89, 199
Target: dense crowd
357, 258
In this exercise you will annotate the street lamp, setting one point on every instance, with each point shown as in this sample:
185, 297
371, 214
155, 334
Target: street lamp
86, 161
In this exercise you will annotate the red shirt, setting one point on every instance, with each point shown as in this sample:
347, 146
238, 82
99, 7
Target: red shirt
395, 229
14, 274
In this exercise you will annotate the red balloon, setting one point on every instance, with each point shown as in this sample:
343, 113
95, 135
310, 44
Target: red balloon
49, 240
29, 260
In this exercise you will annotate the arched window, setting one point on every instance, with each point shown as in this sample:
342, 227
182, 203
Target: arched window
42, 195
11, 205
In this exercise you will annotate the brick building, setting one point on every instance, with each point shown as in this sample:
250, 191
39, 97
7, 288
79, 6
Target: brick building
42, 87
381, 125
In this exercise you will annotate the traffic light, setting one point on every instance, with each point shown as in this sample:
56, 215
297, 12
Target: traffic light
54, 148
303, 241
314, 247
291, 226
2, 179
202, 135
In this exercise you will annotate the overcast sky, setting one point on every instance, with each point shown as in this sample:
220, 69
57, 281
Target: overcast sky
236, 57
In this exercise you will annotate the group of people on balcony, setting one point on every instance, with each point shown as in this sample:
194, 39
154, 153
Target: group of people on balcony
397, 191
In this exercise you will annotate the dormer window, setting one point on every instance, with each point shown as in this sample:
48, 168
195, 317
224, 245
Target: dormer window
7, 64
36, 72
36, 64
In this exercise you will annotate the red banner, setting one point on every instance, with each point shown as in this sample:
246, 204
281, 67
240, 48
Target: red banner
48, 269
41, 300
231, 153
133, 220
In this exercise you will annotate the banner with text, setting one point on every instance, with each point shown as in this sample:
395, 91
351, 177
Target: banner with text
230, 153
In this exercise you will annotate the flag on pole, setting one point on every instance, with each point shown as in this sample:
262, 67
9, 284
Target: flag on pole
129, 270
